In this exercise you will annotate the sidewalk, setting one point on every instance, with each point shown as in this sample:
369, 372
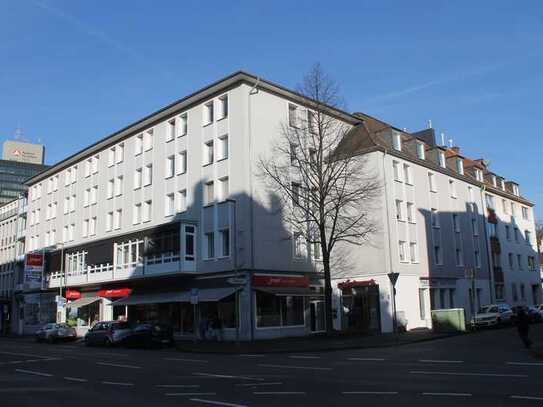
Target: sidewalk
315, 343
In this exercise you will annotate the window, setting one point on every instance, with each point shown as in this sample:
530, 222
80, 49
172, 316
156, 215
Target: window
493, 180
169, 204
210, 245
299, 245
73, 173
478, 175
311, 122
67, 177
507, 232
293, 154
136, 214
71, 232
138, 178
513, 209
452, 188
275, 311
410, 212
94, 166
223, 106
223, 147
138, 145
421, 154
459, 257
399, 212
109, 221
147, 211
292, 115
528, 236
208, 153
224, 188
514, 291
505, 207
397, 173
402, 251
111, 157
434, 218
474, 227
170, 167
459, 166
456, 222
477, 257
437, 254
87, 168
182, 201
119, 185
92, 226
407, 174
110, 186
117, 219
119, 153
441, 159
148, 140
432, 182
519, 261
65, 234
184, 124
413, 252
489, 201
225, 242
66, 206
72, 203
209, 193
190, 240
531, 263
502, 184
85, 228
86, 195
515, 190
170, 131
525, 213
511, 261
182, 162
397, 141
208, 113
516, 235
148, 175
94, 195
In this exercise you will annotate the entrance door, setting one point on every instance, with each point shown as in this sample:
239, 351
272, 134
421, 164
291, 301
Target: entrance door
316, 311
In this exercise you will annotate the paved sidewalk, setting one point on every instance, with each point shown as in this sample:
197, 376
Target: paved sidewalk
315, 343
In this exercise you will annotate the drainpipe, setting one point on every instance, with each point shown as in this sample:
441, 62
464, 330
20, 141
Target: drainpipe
488, 253
388, 227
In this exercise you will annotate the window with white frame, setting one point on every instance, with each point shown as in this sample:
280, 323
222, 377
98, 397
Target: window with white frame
119, 153
66, 205
399, 211
225, 242
182, 162
397, 171
299, 245
138, 178
410, 212
452, 188
413, 252
209, 193
183, 124
432, 182
434, 218
311, 122
502, 184
477, 258
223, 106
459, 257
129, 254
72, 203
525, 213
67, 177
94, 165
138, 144
148, 175
117, 219
456, 222
223, 147
292, 115
136, 214
528, 236
110, 186
397, 141
437, 254
441, 159
55, 183
208, 152
92, 226
210, 245
169, 205
208, 113
88, 167
86, 195
111, 157
181, 201
119, 185
147, 210
189, 236
293, 154
170, 131
65, 234
478, 175
421, 153
493, 180
148, 140
407, 174
474, 227
459, 166
94, 195
170, 167
73, 174
224, 188
109, 221
402, 250
71, 232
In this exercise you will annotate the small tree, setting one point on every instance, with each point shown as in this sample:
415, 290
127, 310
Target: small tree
325, 192
539, 235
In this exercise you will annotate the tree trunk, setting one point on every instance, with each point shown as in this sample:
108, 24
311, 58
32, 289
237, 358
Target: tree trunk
328, 312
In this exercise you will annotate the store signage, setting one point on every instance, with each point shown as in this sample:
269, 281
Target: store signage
33, 270
355, 283
280, 281
194, 296
73, 295
114, 293
237, 280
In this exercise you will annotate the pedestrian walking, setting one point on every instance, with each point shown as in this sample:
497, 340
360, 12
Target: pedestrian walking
523, 327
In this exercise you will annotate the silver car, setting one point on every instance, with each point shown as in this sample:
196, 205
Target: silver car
491, 315
54, 332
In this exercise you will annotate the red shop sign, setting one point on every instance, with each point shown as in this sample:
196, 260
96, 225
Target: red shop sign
280, 281
114, 292
73, 295
355, 283
34, 259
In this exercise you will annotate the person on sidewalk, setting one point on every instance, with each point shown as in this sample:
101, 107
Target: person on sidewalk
216, 325
523, 327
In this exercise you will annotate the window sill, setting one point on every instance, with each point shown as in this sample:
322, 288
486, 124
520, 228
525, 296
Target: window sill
168, 177
182, 173
223, 257
222, 159
207, 124
209, 205
182, 135
207, 164
170, 140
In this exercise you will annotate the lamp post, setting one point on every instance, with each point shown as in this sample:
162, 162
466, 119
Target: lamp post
235, 261
62, 277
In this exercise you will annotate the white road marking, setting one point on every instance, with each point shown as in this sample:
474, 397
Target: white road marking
278, 393
178, 386
33, 372
251, 355
259, 384
370, 392
187, 360
224, 376
189, 394
296, 367
118, 365
218, 403
466, 374
367, 359
440, 361
25, 354
524, 364
304, 357
448, 394
118, 383
75, 379
527, 398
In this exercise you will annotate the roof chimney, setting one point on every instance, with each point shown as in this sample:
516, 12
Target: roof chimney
442, 138
430, 123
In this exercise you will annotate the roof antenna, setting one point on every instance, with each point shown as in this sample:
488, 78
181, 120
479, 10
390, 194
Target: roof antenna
450, 142
442, 138
430, 123
18, 133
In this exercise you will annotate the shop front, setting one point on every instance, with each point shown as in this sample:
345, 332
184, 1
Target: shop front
37, 309
360, 305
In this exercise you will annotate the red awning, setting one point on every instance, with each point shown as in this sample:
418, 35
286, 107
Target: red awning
114, 293
355, 283
280, 281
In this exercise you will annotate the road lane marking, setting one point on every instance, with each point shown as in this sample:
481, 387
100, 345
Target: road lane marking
259, 384
75, 379
370, 392
295, 367
24, 354
304, 357
118, 383
218, 403
524, 364
33, 372
251, 355
118, 365
189, 394
178, 386
224, 376
367, 359
186, 360
440, 361
467, 374
527, 398
448, 394
278, 393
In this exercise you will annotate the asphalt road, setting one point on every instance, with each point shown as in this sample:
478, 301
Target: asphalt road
485, 369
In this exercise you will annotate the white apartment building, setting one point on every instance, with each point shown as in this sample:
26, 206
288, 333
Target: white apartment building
165, 219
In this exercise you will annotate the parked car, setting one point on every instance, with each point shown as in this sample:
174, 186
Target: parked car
108, 333
150, 334
533, 313
492, 315
54, 332
539, 308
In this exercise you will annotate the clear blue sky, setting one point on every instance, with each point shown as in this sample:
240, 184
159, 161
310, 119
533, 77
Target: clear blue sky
74, 71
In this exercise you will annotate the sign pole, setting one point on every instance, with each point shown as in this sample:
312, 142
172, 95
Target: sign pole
393, 277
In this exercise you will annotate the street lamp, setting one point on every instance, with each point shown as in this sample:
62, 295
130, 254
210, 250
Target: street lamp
62, 276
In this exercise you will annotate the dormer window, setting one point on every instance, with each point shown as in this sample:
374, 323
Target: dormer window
420, 151
441, 159
478, 175
459, 166
502, 184
397, 141
515, 190
494, 181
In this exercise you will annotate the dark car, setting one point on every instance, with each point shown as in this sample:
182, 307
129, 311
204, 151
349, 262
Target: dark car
533, 314
108, 333
150, 334
55, 332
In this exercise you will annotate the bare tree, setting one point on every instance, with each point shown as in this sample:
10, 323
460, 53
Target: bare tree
539, 235
325, 192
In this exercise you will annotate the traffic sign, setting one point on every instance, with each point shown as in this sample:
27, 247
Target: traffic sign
194, 296
393, 278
